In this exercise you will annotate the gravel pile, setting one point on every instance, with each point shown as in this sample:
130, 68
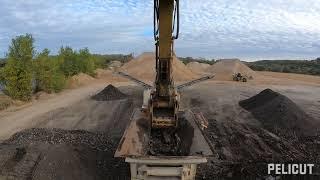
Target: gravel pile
280, 115
56, 153
98, 141
286, 134
242, 151
109, 93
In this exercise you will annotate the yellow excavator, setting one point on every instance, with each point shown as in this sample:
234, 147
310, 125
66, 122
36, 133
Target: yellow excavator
161, 141
164, 100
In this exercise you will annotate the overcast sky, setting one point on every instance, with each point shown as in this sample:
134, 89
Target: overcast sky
248, 29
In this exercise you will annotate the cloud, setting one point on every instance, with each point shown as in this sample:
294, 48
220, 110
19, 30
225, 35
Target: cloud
247, 29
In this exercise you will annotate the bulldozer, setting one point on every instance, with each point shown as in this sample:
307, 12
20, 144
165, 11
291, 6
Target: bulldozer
161, 141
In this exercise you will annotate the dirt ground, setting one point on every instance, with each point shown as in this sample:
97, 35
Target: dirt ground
234, 132
72, 136
72, 141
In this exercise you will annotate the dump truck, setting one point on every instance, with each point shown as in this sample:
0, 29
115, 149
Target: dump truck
162, 141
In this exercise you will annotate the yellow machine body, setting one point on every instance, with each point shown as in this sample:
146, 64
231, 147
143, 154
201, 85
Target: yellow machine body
164, 99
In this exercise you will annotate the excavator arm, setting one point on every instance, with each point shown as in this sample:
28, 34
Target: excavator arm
164, 148
164, 102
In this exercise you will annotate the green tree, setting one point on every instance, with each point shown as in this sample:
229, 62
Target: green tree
86, 61
42, 71
2, 79
73, 62
48, 76
69, 63
18, 70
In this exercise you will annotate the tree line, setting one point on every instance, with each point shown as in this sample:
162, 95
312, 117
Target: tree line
25, 71
311, 67
187, 60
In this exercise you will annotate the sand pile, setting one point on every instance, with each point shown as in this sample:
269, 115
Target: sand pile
109, 93
225, 68
106, 75
100, 73
79, 80
143, 67
279, 114
199, 68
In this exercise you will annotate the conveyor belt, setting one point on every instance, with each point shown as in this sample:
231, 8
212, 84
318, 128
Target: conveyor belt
190, 83
145, 85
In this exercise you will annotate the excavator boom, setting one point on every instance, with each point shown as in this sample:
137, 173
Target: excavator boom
164, 100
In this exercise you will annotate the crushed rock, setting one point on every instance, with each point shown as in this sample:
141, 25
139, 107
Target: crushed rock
55, 153
109, 93
280, 115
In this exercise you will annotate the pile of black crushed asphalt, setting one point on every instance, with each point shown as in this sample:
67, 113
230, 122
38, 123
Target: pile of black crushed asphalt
286, 134
280, 115
109, 93
55, 153
243, 151
99, 141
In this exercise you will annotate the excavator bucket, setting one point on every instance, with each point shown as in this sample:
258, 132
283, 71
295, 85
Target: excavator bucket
163, 118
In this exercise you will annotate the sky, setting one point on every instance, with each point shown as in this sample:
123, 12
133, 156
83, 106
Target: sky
245, 29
